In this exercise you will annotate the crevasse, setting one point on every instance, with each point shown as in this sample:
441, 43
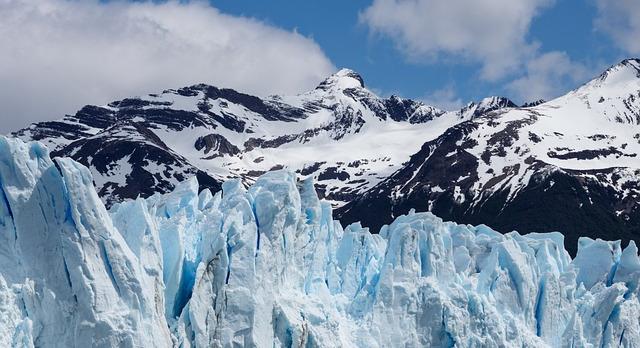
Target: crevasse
268, 266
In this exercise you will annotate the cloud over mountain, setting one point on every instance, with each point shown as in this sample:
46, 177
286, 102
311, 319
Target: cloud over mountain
59, 55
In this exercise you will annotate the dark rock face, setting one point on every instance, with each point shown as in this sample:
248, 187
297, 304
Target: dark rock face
588, 154
558, 202
217, 145
132, 167
400, 109
533, 103
333, 173
269, 110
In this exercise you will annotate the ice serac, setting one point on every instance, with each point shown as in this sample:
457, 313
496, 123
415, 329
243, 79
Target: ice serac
268, 266
68, 278
294, 277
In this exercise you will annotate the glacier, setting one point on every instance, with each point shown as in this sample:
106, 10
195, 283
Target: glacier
268, 266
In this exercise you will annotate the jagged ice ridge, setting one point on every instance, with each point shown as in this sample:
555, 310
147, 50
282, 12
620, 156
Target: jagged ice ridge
268, 266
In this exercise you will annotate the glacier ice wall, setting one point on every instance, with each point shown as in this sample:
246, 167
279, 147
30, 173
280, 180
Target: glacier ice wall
268, 266
67, 276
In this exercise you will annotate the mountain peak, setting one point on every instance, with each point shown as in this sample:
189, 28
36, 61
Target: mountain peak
496, 102
634, 61
343, 79
625, 71
488, 104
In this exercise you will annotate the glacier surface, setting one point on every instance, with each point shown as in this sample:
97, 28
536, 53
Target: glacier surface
269, 266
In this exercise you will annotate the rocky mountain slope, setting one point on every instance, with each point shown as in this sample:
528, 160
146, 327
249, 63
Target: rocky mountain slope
569, 164
269, 267
341, 133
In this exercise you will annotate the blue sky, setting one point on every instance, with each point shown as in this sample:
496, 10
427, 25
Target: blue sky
565, 26
62, 54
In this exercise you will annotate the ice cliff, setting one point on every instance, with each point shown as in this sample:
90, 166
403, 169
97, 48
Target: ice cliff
268, 266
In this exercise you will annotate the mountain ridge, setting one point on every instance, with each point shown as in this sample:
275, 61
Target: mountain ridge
358, 145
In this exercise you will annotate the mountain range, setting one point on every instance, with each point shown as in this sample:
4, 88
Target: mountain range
569, 164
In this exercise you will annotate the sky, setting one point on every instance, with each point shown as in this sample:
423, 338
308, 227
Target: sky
58, 55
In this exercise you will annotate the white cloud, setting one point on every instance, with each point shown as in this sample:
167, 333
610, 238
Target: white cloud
445, 98
491, 32
621, 20
548, 76
57, 55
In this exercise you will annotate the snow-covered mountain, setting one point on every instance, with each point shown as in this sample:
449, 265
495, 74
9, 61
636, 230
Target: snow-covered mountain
568, 164
340, 132
269, 267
